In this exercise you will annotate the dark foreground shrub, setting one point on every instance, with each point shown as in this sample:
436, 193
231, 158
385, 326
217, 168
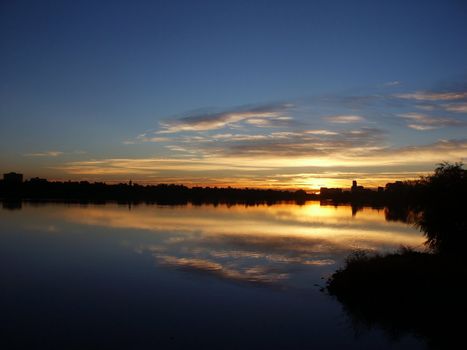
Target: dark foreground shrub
408, 291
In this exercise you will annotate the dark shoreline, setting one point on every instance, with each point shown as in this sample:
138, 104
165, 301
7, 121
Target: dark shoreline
8, 203
41, 189
405, 292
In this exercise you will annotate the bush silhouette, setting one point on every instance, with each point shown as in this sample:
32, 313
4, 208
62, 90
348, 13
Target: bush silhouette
443, 216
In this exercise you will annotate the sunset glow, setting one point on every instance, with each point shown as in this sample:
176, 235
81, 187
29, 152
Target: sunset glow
153, 109
233, 174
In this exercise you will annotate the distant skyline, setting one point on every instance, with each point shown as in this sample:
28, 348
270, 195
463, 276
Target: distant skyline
286, 94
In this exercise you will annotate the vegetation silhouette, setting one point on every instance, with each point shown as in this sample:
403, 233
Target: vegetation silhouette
397, 197
423, 293
443, 211
37, 189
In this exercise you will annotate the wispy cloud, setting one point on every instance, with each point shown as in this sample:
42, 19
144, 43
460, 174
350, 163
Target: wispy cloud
264, 116
238, 137
433, 96
344, 119
147, 166
306, 143
321, 132
253, 166
255, 146
456, 107
422, 122
392, 83
44, 154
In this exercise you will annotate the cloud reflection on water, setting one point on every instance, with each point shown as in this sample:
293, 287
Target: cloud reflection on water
259, 244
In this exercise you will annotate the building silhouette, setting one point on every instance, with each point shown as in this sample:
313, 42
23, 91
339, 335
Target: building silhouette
12, 179
355, 187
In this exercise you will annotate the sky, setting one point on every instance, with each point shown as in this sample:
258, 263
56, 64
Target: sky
282, 94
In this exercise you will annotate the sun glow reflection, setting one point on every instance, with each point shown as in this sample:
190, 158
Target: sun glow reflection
259, 244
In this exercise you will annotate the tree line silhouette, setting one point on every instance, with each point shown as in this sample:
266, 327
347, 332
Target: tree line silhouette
41, 189
399, 196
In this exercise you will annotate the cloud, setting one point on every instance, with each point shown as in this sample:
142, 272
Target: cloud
265, 116
321, 132
421, 127
148, 166
177, 148
423, 122
393, 83
261, 164
44, 154
237, 137
275, 143
433, 96
456, 107
307, 143
344, 119
255, 146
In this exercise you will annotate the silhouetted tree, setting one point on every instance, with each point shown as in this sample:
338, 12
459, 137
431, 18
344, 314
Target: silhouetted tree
436, 204
443, 209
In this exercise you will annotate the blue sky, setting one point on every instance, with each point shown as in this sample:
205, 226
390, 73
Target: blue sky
266, 93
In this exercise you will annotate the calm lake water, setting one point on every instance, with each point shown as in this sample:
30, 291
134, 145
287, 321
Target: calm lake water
162, 277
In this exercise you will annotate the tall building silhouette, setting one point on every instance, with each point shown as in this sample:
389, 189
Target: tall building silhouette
12, 178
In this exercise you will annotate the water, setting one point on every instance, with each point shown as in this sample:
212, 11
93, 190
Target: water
147, 276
